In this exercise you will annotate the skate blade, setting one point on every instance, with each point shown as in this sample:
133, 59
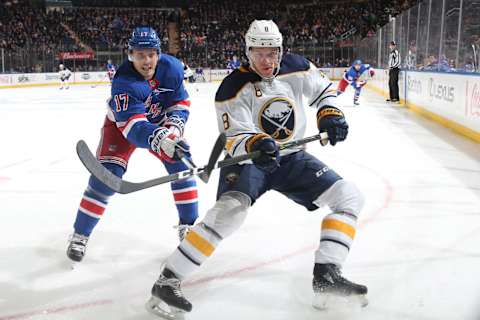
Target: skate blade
159, 308
327, 301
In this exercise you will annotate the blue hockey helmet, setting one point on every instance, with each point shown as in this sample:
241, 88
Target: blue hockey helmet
357, 62
144, 38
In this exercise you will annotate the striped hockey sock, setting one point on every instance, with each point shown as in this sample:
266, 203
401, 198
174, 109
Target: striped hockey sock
338, 232
185, 195
91, 209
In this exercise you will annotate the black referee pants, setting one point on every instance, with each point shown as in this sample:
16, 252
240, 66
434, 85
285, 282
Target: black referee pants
393, 83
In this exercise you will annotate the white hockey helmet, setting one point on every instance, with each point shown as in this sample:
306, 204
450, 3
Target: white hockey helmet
264, 34
61, 66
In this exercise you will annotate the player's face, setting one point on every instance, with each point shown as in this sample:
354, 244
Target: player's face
264, 60
357, 67
145, 62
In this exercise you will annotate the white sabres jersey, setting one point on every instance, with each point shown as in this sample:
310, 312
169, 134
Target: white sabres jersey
187, 72
64, 74
247, 105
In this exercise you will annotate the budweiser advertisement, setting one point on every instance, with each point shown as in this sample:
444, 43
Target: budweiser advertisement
76, 55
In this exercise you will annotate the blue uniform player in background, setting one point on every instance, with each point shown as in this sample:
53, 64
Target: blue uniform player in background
233, 64
111, 69
352, 77
148, 109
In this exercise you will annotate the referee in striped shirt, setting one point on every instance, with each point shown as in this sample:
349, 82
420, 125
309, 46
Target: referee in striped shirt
394, 65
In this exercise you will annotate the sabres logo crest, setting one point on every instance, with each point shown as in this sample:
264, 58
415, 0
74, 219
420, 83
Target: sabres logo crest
277, 118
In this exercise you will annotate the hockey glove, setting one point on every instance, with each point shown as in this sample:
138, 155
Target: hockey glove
166, 143
332, 121
269, 159
372, 72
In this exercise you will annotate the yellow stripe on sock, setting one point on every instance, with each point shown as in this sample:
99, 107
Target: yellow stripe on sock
339, 226
200, 243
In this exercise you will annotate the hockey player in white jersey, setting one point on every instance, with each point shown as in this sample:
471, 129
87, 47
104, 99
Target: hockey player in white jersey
64, 74
259, 105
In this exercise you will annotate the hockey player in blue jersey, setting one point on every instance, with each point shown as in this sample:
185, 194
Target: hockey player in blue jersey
111, 69
233, 64
352, 77
148, 109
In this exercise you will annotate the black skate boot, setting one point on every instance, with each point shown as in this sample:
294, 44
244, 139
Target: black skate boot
167, 299
329, 287
77, 246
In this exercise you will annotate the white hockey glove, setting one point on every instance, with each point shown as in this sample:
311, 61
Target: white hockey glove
166, 143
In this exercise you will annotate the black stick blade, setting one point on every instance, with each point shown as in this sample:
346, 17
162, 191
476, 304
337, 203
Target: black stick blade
217, 150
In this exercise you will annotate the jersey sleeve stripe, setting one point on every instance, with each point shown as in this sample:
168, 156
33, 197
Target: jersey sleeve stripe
179, 106
131, 122
320, 95
183, 103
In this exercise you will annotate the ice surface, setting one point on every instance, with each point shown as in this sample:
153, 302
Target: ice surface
417, 247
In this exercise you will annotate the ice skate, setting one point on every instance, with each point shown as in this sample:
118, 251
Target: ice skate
167, 299
77, 246
331, 289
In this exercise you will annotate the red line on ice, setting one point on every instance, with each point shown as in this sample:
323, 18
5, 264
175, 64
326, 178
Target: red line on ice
56, 310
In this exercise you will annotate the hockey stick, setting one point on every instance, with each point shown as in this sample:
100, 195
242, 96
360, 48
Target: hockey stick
214, 155
122, 186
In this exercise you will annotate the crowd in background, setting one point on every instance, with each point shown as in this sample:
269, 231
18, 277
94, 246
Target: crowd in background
212, 30
23, 25
208, 33
109, 28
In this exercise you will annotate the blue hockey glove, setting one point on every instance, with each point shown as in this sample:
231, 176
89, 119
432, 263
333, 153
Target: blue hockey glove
269, 160
332, 121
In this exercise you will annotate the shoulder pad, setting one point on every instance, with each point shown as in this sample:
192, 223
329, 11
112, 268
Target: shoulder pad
169, 68
293, 63
234, 82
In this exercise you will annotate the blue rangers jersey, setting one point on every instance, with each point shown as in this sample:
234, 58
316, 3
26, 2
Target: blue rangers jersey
111, 67
352, 75
233, 64
139, 106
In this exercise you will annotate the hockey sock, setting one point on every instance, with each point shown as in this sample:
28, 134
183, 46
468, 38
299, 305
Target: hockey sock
185, 194
222, 220
198, 245
94, 202
338, 232
357, 94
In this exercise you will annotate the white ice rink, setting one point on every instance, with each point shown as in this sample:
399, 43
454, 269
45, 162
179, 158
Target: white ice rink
417, 248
